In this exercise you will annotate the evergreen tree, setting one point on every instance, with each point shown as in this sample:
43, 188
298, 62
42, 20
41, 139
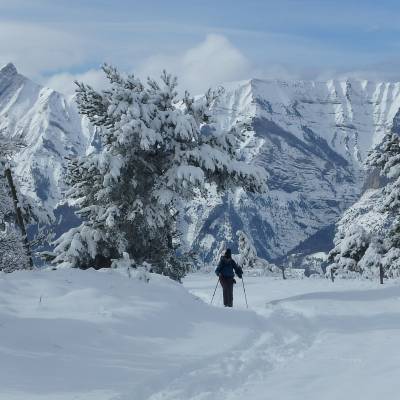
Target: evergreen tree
218, 252
14, 247
247, 251
386, 157
388, 251
156, 151
350, 248
248, 258
364, 249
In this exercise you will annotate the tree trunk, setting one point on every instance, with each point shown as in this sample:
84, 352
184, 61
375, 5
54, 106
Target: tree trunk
381, 274
18, 212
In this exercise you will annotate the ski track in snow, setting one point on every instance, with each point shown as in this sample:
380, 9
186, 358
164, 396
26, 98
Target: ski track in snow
224, 376
86, 335
310, 347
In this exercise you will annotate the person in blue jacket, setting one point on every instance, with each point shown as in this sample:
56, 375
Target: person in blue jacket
226, 270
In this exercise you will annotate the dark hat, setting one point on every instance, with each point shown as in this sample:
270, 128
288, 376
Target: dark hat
228, 253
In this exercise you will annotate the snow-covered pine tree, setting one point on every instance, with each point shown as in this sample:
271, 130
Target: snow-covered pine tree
248, 258
156, 149
386, 249
218, 252
350, 247
247, 251
387, 253
386, 157
14, 252
363, 249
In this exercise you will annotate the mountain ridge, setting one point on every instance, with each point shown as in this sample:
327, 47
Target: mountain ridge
311, 137
51, 129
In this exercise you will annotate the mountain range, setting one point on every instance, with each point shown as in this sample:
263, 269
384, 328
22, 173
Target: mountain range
311, 138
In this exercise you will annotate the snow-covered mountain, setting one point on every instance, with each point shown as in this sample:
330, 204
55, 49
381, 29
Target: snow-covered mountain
51, 129
311, 137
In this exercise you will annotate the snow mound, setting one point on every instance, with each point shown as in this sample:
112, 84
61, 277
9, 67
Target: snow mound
73, 334
87, 335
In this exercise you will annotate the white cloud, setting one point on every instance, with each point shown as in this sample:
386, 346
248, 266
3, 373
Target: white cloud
64, 82
207, 64
47, 36
35, 48
213, 61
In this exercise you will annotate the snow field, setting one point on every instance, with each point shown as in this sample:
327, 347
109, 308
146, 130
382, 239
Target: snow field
330, 341
72, 334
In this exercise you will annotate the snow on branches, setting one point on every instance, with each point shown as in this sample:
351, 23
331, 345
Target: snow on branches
14, 245
368, 235
248, 258
156, 150
247, 251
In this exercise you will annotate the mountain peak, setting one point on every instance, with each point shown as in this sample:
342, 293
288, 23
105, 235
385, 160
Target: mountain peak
9, 69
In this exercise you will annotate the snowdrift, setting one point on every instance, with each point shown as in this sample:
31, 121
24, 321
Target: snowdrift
98, 335
73, 334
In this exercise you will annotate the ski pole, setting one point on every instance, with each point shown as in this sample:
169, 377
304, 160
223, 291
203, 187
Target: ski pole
244, 290
214, 291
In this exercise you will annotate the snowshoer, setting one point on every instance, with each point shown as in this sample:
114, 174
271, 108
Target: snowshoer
226, 270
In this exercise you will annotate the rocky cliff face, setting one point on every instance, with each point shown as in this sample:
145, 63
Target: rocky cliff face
311, 137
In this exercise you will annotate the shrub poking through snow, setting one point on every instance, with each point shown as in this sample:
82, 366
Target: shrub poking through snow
133, 271
156, 150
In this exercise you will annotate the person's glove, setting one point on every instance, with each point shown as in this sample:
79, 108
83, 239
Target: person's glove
234, 280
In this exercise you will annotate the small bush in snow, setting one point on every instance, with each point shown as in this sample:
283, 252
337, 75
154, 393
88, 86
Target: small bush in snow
133, 270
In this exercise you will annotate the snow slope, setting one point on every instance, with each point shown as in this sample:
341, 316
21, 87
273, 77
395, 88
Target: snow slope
72, 334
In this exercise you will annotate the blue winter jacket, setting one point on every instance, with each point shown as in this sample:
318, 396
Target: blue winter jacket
227, 266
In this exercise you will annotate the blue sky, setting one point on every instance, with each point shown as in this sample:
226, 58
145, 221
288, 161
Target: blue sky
54, 41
